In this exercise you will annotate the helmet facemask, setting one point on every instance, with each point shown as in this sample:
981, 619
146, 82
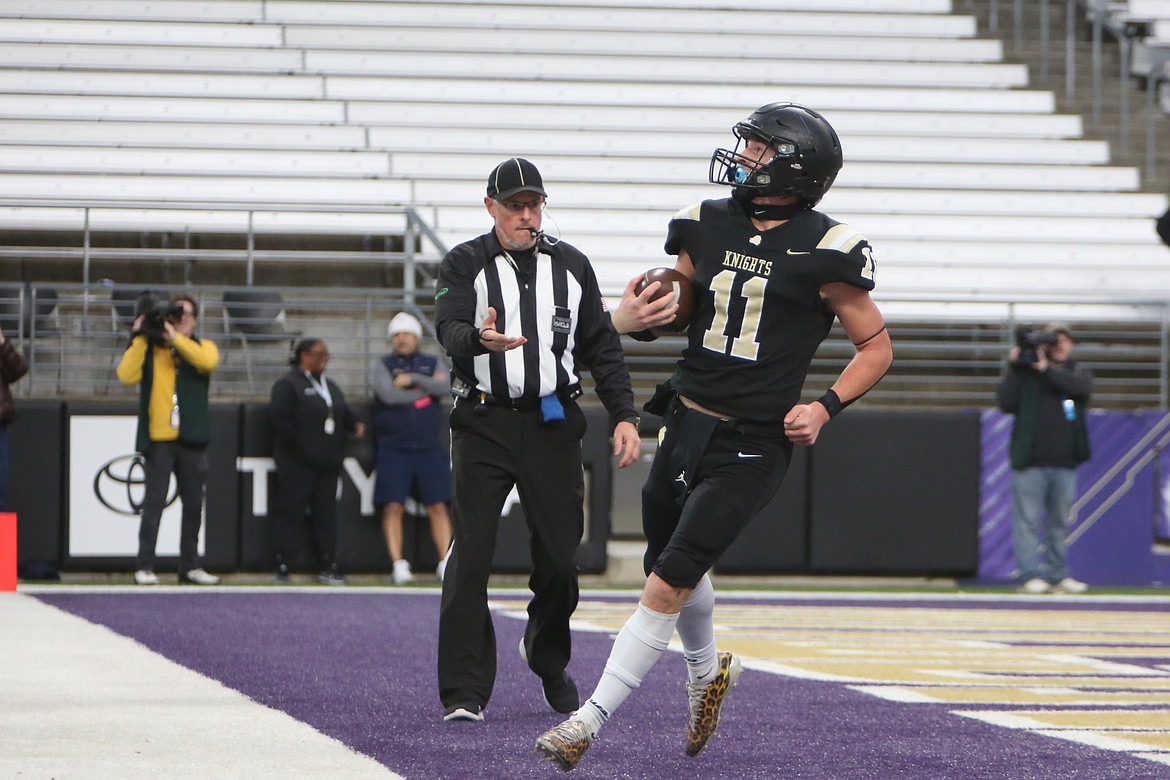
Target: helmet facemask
744, 172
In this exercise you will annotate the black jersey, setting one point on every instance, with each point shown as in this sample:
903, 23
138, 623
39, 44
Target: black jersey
759, 316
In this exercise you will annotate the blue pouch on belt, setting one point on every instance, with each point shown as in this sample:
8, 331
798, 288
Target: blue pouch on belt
552, 411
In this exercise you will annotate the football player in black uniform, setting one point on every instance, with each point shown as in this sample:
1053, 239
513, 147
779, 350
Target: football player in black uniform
770, 276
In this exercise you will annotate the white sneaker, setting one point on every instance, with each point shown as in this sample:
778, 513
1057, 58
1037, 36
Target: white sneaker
402, 574
469, 711
198, 577
145, 577
441, 569
1035, 585
1069, 585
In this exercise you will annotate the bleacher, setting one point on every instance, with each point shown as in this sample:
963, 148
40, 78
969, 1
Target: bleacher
970, 183
1147, 22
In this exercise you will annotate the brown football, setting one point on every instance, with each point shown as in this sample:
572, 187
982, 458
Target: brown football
676, 284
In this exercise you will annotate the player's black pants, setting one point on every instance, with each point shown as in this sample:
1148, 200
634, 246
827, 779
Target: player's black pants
492, 449
708, 479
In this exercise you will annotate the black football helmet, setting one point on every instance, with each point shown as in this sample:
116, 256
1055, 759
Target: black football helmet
808, 155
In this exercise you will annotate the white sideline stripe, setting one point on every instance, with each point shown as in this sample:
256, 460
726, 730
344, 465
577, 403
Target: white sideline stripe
83, 701
1161, 758
1005, 720
895, 693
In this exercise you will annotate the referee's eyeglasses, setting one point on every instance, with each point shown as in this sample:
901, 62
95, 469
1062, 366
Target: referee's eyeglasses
520, 206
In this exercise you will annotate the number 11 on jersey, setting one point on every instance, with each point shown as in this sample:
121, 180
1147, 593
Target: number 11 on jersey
740, 339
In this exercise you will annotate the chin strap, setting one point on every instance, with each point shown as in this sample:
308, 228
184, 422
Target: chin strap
768, 212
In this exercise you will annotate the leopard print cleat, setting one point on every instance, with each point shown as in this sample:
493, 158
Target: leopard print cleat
565, 744
705, 702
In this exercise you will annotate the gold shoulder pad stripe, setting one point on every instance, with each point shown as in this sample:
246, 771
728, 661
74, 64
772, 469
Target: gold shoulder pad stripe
690, 212
842, 238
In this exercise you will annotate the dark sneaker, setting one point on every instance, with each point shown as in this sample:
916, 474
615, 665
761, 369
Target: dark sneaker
281, 577
561, 693
466, 711
331, 576
565, 744
705, 702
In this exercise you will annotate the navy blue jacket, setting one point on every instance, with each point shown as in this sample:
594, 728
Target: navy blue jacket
409, 418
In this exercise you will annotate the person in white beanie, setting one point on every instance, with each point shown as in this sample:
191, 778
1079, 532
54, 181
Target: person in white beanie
410, 453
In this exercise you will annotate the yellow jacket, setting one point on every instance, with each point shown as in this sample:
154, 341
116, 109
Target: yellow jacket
202, 355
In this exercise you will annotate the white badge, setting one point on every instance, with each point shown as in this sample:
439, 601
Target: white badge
330, 426
175, 417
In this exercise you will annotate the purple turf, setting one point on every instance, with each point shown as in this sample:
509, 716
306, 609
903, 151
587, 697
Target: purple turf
360, 667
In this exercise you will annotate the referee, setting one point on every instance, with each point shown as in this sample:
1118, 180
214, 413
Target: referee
519, 313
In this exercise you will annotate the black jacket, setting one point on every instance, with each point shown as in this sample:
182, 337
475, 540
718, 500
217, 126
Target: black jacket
12, 367
298, 415
1043, 433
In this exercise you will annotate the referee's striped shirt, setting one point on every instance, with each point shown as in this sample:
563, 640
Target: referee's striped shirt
553, 301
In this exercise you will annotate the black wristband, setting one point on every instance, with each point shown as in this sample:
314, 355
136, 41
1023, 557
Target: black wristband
832, 403
483, 331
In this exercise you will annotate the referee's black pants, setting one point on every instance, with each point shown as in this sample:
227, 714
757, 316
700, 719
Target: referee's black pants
492, 449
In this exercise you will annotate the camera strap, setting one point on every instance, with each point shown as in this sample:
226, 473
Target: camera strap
175, 391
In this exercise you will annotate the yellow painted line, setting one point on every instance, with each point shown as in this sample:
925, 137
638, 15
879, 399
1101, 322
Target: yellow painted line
1013, 695
1064, 672
1125, 741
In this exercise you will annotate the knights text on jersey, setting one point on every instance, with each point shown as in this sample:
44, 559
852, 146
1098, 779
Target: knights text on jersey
759, 316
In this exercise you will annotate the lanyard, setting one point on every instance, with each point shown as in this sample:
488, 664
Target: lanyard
322, 388
175, 394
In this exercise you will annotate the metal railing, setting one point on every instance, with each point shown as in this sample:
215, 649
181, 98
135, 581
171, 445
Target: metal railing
402, 223
73, 349
1101, 22
951, 356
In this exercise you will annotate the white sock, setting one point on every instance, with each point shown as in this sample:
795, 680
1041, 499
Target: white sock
637, 648
696, 629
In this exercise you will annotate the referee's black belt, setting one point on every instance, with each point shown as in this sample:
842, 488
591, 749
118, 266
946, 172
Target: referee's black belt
524, 403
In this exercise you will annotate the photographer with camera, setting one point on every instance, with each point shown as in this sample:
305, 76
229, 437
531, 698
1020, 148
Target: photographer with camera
1048, 393
172, 368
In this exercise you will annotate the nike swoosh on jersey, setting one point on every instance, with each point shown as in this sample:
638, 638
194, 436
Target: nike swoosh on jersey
794, 252
749, 455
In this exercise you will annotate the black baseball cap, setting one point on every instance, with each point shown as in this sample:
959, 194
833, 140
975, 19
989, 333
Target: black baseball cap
514, 176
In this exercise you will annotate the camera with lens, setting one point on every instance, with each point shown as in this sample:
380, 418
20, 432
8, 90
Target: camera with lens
1029, 341
155, 313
